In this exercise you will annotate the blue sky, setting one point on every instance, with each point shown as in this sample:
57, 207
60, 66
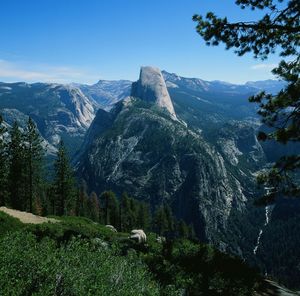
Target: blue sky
87, 40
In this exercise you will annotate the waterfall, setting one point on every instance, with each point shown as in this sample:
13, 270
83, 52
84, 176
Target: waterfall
257, 242
268, 211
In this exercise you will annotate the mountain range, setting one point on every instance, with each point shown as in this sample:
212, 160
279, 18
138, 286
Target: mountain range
189, 152
185, 142
59, 111
66, 111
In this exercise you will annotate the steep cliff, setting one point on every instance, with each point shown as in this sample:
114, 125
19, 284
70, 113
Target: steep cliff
139, 148
151, 87
60, 111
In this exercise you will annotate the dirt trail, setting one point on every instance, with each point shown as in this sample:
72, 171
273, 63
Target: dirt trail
25, 217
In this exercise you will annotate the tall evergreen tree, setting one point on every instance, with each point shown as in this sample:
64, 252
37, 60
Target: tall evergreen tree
94, 207
17, 188
133, 214
182, 229
63, 182
164, 222
143, 216
170, 219
33, 160
192, 233
50, 202
134, 208
82, 200
111, 208
4, 164
160, 221
125, 213
277, 31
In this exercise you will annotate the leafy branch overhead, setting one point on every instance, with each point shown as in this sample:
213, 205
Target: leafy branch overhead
276, 28
278, 31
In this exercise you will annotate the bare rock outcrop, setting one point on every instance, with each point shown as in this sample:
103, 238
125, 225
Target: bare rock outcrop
138, 235
151, 87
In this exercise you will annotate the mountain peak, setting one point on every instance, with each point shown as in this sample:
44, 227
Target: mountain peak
151, 87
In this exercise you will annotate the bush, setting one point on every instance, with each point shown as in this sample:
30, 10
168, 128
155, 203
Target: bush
200, 269
28, 267
69, 227
8, 223
79, 257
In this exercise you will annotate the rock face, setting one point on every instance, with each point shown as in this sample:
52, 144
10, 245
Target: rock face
154, 158
106, 93
204, 170
60, 111
151, 87
138, 235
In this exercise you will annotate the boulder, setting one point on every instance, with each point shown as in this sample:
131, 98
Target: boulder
161, 239
138, 235
112, 228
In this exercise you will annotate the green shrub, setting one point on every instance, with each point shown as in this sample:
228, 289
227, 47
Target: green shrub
69, 227
8, 223
80, 257
28, 267
201, 270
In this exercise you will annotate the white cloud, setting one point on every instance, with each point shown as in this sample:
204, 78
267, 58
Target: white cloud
263, 67
13, 71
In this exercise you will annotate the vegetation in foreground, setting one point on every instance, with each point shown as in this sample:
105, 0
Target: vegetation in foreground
80, 257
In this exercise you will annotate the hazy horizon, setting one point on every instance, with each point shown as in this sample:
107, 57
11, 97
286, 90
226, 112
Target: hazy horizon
163, 70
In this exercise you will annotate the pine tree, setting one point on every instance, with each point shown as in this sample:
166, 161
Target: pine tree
134, 208
192, 233
94, 207
133, 214
125, 213
160, 221
144, 216
170, 219
64, 187
38, 206
33, 160
111, 208
182, 229
276, 32
4, 164
50, 201
82, 201
17, 188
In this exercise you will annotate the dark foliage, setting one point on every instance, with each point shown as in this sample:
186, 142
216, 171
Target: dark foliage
64, 183
278, 29
4, 164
